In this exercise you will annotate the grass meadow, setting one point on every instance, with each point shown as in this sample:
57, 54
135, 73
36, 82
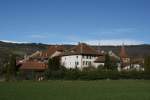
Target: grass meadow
76, 90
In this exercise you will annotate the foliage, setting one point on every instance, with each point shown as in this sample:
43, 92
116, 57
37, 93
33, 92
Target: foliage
72, 74
107, 62
55, 70
147, 63
54, 64
11, 68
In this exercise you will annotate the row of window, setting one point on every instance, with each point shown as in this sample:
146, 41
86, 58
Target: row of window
76, 63
84, 63
86, 57
88, 63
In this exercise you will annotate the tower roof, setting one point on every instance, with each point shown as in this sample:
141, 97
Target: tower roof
123, 53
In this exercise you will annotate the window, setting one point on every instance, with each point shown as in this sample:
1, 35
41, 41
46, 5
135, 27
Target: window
83, 57
86, 62
87, 57
89, 63
77, 57
90, 57
76, 63
83, 62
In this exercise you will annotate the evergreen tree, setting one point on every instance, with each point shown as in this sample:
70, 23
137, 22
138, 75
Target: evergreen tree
54, 64
110, 63
55, 70
11, 68
147, 64
107, 62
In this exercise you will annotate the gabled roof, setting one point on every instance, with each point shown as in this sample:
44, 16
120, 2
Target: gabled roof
82, 49
51, 50
33, 65
34, 55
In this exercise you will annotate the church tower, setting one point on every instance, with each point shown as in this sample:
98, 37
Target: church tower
123, 56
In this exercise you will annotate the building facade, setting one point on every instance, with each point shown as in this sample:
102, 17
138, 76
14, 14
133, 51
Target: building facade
80, 56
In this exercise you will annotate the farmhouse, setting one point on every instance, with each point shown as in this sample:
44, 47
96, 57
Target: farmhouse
81, 56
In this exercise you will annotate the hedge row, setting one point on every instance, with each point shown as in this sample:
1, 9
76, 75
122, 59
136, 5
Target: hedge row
74, 74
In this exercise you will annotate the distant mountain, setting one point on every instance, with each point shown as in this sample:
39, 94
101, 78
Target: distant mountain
132, 50
22, 49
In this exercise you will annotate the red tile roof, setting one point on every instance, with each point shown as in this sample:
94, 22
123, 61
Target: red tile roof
33, 65
51, 50
82, 48
123, 53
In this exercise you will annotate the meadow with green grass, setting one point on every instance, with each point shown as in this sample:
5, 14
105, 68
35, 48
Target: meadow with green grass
76, 90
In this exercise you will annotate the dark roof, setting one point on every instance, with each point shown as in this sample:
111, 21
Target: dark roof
81, 49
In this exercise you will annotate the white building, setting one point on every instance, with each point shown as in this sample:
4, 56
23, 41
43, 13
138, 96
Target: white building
80, 56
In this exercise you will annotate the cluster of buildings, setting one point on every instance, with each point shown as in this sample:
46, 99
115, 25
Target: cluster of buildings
79, 56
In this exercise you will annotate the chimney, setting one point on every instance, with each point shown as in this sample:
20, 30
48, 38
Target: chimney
81, 48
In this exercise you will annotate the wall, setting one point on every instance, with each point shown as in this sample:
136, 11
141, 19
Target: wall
79, 61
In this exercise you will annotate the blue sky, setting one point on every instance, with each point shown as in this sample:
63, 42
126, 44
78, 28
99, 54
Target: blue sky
72, 21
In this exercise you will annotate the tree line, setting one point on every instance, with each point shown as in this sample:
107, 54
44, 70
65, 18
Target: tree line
57, 71
108, 71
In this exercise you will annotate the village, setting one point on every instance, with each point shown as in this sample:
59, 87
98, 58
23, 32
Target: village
80, 56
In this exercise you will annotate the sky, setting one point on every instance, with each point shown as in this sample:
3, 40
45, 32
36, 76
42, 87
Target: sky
97, 22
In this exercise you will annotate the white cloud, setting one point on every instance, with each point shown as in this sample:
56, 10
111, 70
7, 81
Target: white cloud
92, 42
114, 42
9, 41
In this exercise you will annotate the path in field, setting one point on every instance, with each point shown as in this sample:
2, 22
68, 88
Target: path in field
76, 90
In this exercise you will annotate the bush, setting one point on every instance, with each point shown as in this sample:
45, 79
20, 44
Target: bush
72, 74
92, 73
76, 74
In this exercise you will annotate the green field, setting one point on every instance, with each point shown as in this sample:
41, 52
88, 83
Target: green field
76, 90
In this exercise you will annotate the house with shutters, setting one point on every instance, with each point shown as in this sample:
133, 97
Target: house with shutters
80, 56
